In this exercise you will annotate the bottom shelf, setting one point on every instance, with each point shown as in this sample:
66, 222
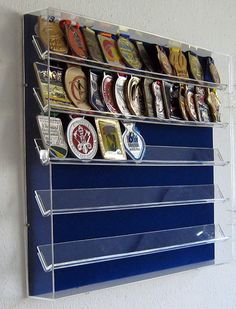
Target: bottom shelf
82, 252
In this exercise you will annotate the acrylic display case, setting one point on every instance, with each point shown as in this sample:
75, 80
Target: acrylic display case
98, 223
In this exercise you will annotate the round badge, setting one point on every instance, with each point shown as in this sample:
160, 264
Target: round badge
76, 41
129, 52
82, 138
76, 87
107, 94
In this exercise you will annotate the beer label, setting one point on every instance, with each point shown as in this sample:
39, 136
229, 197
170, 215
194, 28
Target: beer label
120, 95
110, 139
107, 94
92, 44
159, 106
129, 53
76, 87
50, 33
133, 142
52, 135
82, 138
95, 97
110, 51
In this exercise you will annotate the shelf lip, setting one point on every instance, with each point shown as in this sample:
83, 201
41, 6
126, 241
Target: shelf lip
152, 197
44, 54
146, 243
125, 118
150, 162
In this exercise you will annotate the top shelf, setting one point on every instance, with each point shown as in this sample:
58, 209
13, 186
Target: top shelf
44, 54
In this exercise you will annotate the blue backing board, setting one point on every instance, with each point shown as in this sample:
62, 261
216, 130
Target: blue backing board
90, 225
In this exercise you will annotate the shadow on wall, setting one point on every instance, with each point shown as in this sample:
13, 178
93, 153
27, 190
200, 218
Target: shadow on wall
12, 253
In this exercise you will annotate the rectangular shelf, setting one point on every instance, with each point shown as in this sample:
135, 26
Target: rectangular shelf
111, 199
82, 252
44, 54
154, 156
130, 118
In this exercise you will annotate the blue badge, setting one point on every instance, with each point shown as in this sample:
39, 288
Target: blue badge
133, 141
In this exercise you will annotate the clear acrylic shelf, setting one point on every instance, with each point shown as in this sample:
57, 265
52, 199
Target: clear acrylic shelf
44, 54
130, 118
154, 156
120, 198
82, 252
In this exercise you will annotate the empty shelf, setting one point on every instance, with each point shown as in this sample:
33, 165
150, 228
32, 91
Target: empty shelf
82, 252
110, 199
154, 156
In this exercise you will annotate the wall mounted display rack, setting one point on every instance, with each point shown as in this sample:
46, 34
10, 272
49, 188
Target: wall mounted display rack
128, 212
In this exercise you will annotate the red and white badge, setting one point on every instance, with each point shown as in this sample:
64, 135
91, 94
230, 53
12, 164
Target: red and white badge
82, 138
107, 94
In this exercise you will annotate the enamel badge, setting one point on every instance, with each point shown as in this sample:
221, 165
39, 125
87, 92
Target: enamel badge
213, 70
129, 52
203, 108
190, 106
52, 135
108, 45
148, 97
51, 86
164, 61
82, 138
110, 139
120, 96
76, 87
134, 96
51, 34
182, 102
144, 56
133, 141
92, 44
159, 105
178, 62
76, 41
94, 94
195, 66
107, 94
214, 104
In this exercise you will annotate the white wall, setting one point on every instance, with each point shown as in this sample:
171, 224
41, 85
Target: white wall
210, 24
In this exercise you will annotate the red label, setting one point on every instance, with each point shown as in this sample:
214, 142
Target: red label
83, 139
